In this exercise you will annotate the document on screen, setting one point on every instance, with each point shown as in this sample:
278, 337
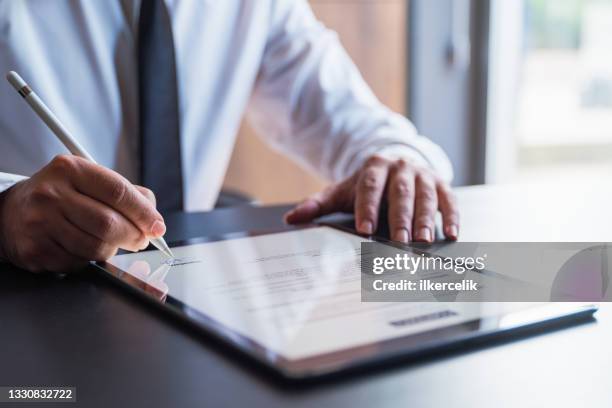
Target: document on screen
297, 293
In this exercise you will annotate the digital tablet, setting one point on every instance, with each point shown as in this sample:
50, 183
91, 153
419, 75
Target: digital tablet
292, 301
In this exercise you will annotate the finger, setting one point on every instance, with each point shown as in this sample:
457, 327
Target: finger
425, 207
79, 243
333, 199
400, 196
53, 258
115, 191
450, 213
148, 194
137, 273
139, 269
102, 222
369, 192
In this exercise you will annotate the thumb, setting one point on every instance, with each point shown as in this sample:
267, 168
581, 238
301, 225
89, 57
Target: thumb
325, 202
305, 211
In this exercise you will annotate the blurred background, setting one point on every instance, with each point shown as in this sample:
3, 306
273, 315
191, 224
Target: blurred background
515, 91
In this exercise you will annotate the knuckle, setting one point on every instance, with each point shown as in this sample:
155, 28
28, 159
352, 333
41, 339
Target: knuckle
401, 189
147, 193
118, 191
107, 225
425, 172
369, 181
376, 160
43, 193
33, 220
425, 177
64, 162
427, 194
146, 217
401, 164
369, 211
369, 184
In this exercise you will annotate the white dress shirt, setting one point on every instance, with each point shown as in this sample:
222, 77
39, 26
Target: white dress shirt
269, 58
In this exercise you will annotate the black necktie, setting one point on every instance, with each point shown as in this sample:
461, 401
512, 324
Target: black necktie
160, 153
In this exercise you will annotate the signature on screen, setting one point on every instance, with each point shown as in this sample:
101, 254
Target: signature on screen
180, 261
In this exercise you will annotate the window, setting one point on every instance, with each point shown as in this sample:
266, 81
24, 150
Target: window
556, 116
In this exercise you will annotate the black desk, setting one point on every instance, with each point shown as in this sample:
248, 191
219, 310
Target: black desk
117, 351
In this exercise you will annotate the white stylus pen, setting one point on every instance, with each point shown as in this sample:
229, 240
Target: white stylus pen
63, 135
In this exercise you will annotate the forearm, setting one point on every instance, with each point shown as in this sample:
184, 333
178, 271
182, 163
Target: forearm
311, 102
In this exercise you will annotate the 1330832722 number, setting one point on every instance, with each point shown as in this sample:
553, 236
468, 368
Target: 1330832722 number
32, 394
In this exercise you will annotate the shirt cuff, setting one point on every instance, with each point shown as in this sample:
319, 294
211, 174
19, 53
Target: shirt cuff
8, 180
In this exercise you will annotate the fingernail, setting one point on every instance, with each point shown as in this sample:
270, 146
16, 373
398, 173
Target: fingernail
452, 231
424, 234
366, 227
158, 229
288, 215
402, 235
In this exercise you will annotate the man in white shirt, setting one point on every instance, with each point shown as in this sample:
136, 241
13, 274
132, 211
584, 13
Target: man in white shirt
90, 61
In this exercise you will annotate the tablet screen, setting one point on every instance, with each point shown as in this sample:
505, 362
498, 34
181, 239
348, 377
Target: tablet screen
295, 294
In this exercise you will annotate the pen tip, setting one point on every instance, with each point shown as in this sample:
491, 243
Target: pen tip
166, 250
160, 244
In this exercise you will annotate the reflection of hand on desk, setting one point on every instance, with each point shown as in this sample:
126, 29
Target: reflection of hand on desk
139, 274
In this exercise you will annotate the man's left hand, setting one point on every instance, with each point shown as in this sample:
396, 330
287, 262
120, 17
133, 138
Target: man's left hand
414, 195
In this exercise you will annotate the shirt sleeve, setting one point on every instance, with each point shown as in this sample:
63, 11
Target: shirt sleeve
311, 102
7, 180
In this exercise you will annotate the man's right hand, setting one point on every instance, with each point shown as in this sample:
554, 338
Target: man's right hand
73, 211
